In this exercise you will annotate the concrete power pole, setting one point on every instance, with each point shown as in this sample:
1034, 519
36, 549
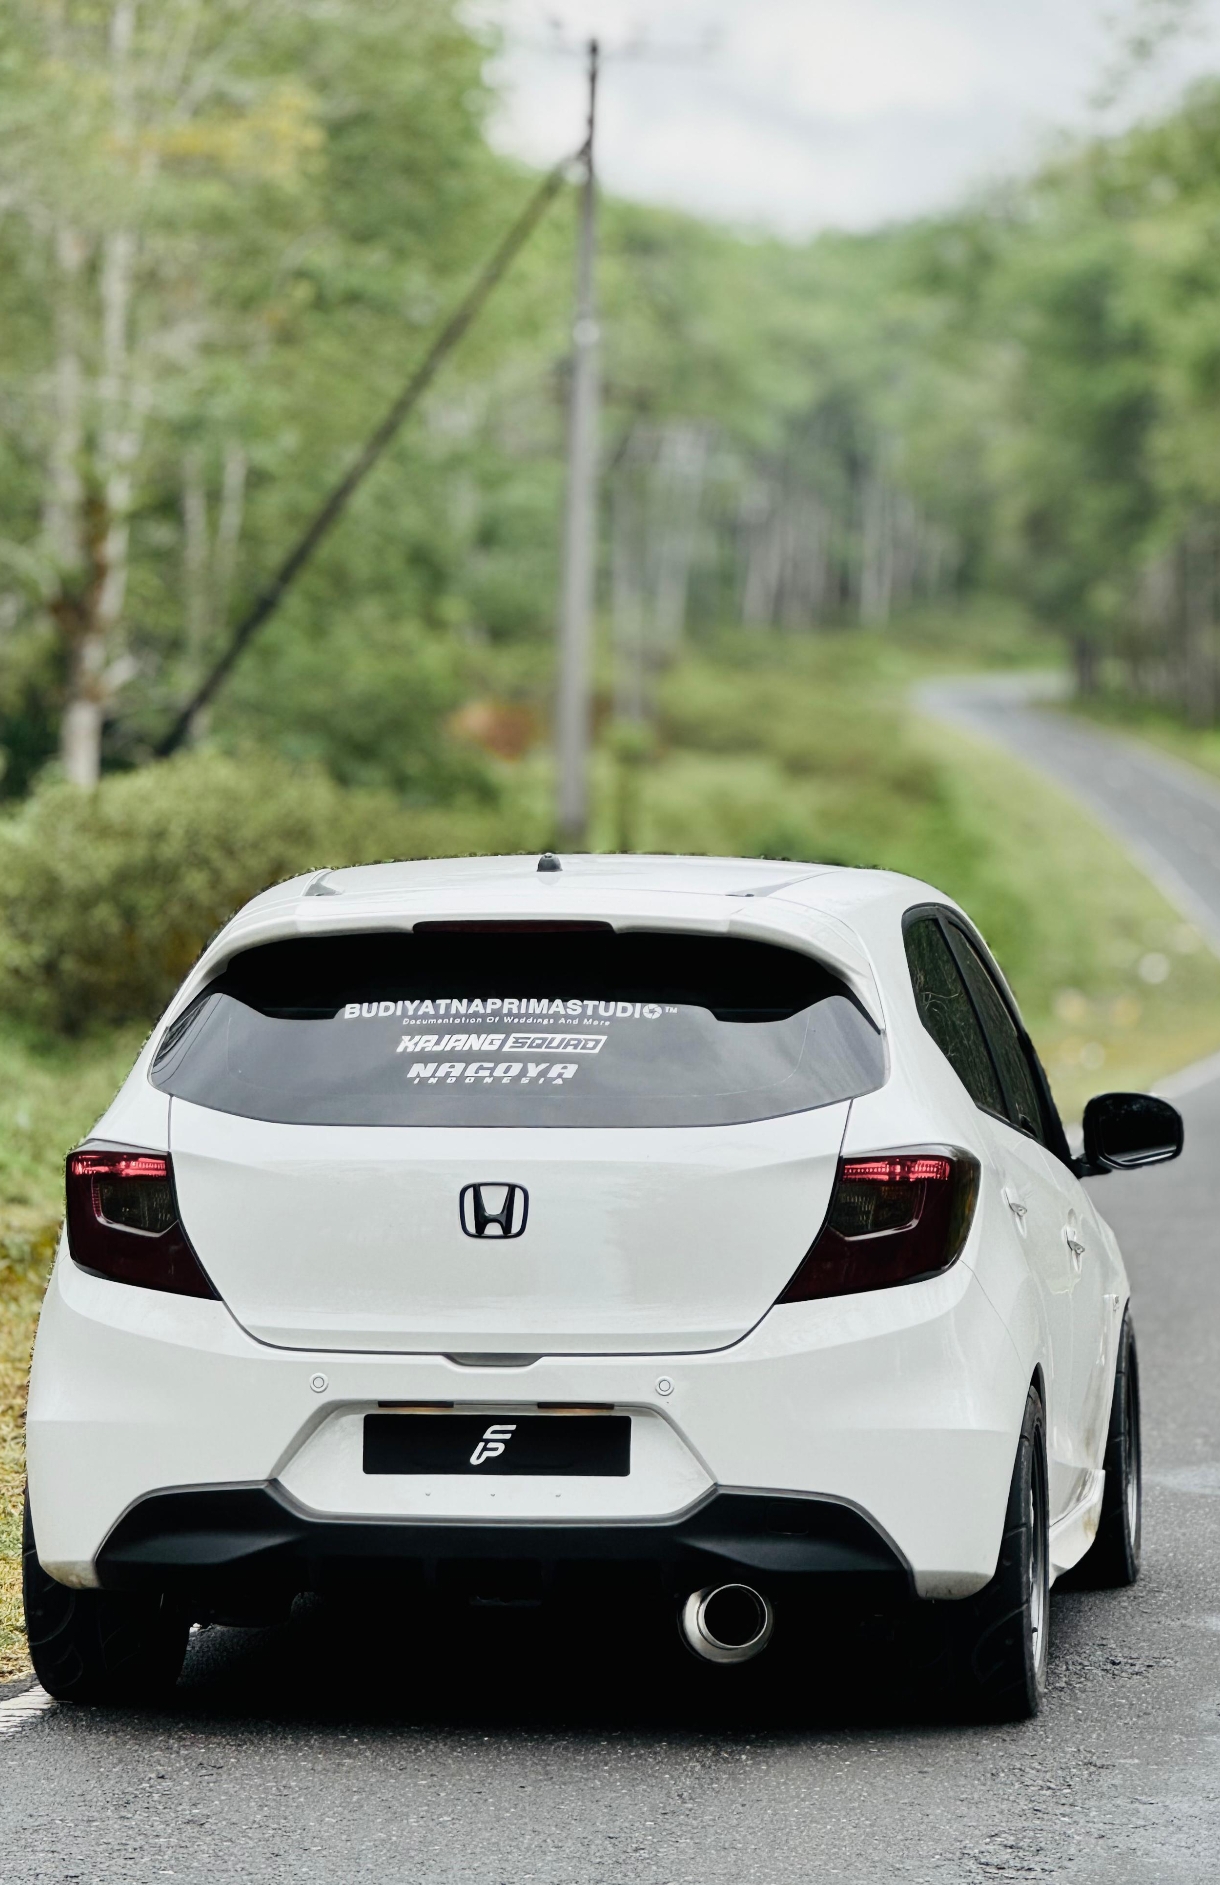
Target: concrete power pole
573, 717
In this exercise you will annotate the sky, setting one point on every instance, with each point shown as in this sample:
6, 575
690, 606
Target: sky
797, 115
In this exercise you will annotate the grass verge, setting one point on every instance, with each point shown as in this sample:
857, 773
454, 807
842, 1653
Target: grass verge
50, 1094
1117, 990
20, 1295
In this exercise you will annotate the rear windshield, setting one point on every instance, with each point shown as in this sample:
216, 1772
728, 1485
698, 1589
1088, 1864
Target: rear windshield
520, 1028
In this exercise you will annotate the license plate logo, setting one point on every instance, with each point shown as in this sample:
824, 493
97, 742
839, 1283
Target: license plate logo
493, 1443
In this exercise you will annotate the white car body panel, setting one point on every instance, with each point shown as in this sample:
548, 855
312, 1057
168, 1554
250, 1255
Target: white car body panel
657, 1255
638, 1241
904, 1405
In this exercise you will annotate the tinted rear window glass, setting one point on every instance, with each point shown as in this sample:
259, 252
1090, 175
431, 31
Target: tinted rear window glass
946, 1012
521, 1029
1024, 1107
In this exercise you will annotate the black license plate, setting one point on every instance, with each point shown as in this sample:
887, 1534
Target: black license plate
591, 1446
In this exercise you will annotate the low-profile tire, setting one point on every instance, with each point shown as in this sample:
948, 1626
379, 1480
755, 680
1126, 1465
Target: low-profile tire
96, 1645
1113, 1559
999, 1637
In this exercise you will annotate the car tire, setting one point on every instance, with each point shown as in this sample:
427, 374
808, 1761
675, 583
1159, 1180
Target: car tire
1113, 1560
95, 1645
1000, 1636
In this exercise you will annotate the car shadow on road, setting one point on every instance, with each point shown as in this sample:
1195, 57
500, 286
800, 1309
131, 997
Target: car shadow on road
508, 1670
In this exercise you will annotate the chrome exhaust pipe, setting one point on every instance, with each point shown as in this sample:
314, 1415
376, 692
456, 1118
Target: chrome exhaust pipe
726, 1623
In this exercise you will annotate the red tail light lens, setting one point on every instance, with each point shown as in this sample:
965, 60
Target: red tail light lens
123, 1221
893, 1218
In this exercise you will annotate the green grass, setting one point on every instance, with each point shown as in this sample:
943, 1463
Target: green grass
1079, 930
767, 747
50, 1094
20, 1296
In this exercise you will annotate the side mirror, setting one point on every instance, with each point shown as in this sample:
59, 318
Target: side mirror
1123, 1131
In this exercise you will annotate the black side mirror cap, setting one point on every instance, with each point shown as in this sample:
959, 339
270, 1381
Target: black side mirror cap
1124, 1131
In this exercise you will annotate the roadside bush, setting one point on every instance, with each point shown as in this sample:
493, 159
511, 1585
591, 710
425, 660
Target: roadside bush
816, 722
108, 897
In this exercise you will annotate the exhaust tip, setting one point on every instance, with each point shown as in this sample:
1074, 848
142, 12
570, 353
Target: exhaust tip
726, 1623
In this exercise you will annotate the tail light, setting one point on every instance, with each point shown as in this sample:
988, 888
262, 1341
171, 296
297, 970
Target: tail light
123, 1221
894, 1217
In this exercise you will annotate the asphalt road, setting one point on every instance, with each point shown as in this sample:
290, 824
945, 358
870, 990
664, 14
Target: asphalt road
510, 1752
1166, 813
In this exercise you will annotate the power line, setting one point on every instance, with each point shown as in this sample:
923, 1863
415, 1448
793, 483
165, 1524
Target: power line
336, 503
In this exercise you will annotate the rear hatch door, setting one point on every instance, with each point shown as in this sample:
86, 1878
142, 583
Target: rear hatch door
669, 1106
352, 1237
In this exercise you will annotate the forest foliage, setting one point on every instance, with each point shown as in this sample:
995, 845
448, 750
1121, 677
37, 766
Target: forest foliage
227, 232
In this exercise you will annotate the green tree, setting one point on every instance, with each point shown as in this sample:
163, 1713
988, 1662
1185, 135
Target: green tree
192, 188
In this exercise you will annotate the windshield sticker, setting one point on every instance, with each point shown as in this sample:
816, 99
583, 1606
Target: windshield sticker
506, 1072
559, 1043
497, 1008
550, 1033
545, 1055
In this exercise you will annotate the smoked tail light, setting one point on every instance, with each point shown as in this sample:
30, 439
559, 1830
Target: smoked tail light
123, 1221
894, 1217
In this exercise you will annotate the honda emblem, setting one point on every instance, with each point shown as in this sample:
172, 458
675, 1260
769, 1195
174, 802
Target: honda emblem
494, 1210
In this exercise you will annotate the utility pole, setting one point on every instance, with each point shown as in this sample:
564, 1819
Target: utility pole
573, 714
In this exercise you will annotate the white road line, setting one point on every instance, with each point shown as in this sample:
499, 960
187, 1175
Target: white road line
20, 1710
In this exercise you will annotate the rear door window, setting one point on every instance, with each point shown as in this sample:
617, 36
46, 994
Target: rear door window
948, 1014
1023, 1104
508, 1026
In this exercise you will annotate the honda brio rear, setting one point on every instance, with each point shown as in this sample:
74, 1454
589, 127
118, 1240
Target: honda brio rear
492, 1226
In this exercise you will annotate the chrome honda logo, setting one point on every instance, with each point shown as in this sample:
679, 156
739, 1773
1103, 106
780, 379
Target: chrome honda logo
494, 1210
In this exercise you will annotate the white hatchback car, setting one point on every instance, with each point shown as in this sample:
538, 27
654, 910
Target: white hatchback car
501, 1223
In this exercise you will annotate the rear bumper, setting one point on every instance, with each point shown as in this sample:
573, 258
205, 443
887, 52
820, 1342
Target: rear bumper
904, 1406
209, 1544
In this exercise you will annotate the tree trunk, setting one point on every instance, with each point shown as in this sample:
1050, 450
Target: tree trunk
1086, 666
1199, 624
62, 515
80, 738
196, 600
89, 607
877, 551
209, 560
676, 494
228, 530
627, 600
64, 521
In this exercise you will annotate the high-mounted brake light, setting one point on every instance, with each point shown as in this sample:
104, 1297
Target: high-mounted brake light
894, 1217
123, 1221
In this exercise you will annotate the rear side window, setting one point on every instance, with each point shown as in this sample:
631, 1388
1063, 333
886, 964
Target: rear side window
512, 1027
948, 1014
1023, 1107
